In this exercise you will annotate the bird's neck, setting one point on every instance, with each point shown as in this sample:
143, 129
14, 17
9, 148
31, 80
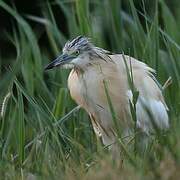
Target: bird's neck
78, 70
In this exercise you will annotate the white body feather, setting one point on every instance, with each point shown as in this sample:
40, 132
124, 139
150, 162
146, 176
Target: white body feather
148, 110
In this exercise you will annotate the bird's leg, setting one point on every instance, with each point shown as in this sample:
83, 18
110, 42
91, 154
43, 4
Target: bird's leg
95, 125
117, 154
111, 141
143, 142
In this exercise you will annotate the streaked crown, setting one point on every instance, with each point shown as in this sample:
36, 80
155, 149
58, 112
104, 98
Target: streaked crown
79, 43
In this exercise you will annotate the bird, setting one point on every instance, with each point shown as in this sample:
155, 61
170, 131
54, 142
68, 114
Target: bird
99, 81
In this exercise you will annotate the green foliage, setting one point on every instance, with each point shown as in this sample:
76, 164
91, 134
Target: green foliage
42, 132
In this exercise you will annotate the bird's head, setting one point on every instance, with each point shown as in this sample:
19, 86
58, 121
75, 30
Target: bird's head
75, 54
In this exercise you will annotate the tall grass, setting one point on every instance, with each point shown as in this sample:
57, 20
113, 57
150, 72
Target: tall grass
43, 134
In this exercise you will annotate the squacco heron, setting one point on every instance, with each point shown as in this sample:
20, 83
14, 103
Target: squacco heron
91, 68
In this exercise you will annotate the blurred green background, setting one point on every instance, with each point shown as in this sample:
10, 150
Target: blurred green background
43, 135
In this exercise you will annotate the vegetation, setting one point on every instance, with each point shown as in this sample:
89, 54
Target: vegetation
43, 134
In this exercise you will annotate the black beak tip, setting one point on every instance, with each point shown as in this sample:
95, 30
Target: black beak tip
48, 67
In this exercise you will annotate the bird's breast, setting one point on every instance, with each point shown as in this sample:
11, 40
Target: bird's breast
84, 88
88, 89
74, 85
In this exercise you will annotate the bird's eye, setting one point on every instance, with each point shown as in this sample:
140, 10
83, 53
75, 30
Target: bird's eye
76, 52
